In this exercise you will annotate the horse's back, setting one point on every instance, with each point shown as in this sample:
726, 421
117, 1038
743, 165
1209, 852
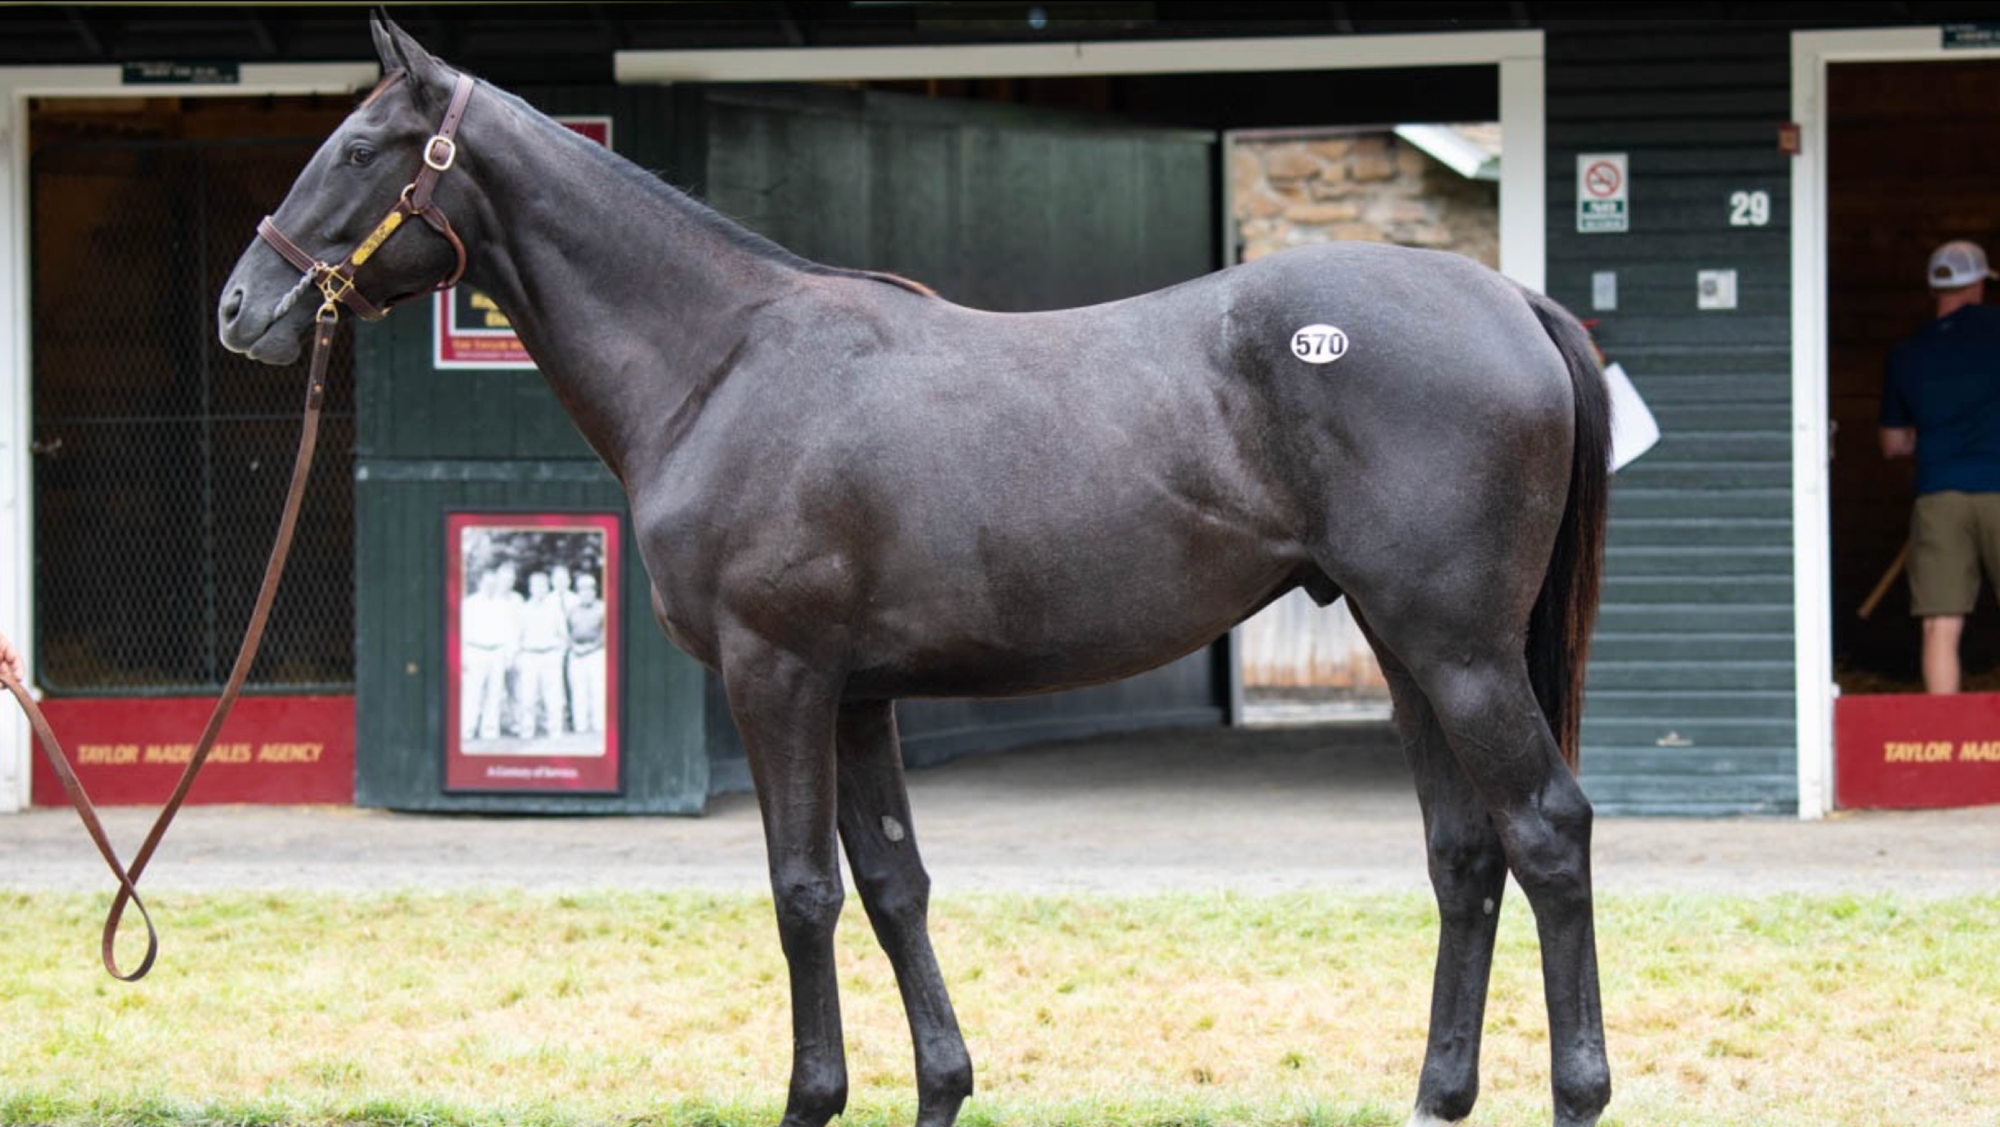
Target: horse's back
1329, 327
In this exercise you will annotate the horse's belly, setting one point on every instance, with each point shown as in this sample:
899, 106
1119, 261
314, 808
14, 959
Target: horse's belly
1005, 634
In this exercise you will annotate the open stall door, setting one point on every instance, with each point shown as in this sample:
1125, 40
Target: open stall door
1901, 179
159, 460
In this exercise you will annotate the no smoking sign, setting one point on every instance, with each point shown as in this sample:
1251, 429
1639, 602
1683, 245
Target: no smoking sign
1603, 180
1603, 194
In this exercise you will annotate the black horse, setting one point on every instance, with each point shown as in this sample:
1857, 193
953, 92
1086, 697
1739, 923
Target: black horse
848, 490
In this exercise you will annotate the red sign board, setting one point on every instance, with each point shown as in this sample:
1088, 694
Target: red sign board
1910, 751
470, 331
274, 750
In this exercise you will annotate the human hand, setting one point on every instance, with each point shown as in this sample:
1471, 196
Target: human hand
10, 661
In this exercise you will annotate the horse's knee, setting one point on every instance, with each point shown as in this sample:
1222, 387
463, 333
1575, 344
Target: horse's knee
808, 907
1549, 849
1568, 812
1503, 745
1565, 814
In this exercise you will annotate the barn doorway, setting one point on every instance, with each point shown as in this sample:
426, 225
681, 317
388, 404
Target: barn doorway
159, 461
1900, 180
159, 458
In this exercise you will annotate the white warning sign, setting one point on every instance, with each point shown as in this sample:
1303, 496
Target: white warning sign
1603, 194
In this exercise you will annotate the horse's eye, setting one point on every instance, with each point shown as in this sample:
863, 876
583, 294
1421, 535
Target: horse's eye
360, 155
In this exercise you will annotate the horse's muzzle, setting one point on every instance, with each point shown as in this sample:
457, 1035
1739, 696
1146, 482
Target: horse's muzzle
248, 331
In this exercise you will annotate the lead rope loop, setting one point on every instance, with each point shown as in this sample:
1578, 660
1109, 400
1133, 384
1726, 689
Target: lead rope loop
325, 322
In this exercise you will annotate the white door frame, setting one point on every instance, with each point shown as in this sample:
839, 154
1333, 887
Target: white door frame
1812, 528
17, 527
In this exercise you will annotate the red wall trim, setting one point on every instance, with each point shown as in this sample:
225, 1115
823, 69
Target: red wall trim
273, 750
1911, 751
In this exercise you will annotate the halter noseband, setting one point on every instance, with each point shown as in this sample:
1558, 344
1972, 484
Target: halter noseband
336, 283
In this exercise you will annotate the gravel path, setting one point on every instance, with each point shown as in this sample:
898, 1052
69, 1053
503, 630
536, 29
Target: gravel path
1257, 811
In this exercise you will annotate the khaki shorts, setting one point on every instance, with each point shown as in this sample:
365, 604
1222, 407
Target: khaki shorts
1950, 535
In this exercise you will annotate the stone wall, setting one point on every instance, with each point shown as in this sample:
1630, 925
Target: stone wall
1292, 190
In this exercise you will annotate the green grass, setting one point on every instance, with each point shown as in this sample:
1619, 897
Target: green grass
1166, 1011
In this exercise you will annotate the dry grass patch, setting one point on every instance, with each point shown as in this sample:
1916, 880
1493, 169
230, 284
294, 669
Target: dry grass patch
478, 1009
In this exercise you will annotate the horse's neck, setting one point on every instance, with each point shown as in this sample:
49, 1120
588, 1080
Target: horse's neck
629, 298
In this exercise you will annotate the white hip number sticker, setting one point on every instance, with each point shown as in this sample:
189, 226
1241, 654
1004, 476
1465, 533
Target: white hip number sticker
1319, 344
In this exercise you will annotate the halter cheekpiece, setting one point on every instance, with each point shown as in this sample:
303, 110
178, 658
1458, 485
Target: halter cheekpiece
336, 283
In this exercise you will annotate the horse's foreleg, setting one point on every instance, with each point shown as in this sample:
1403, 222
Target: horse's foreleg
785, 714
888, 873
1468, 873
1497, 732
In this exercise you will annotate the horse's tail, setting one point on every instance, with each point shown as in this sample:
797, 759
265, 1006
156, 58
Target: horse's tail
1560, 626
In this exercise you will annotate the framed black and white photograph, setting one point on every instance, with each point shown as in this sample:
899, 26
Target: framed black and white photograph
531, 645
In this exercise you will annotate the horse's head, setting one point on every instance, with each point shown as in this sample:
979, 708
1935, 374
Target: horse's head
333, 229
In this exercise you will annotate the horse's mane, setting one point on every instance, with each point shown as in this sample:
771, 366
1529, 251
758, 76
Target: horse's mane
733, 232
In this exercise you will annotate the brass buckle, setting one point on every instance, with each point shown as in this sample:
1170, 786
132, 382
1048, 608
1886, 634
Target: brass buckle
335, 286
440, 163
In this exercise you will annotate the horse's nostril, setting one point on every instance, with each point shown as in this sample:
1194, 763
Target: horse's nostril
232, 305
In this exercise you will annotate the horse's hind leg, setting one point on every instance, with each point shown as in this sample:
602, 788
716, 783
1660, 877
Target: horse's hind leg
882, 852
1468, 873
785, 714
1487, 709
1472, 671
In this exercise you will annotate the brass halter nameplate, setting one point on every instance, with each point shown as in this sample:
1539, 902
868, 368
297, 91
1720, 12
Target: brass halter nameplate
380, 235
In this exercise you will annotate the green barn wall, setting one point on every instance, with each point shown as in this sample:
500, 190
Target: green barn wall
1691, 703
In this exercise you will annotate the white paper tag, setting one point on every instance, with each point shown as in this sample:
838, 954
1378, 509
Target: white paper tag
1633, 428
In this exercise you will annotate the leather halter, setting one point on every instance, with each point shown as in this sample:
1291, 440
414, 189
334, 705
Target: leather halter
336, 283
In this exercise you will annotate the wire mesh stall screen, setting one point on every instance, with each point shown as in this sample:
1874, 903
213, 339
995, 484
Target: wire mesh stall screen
160, 459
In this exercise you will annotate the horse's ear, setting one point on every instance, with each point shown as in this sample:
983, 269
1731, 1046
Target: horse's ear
386, 33
398, 51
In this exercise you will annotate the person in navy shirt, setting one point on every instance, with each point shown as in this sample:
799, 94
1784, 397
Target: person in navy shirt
1941, 405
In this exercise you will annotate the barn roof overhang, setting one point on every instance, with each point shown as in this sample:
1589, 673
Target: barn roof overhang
576, 43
